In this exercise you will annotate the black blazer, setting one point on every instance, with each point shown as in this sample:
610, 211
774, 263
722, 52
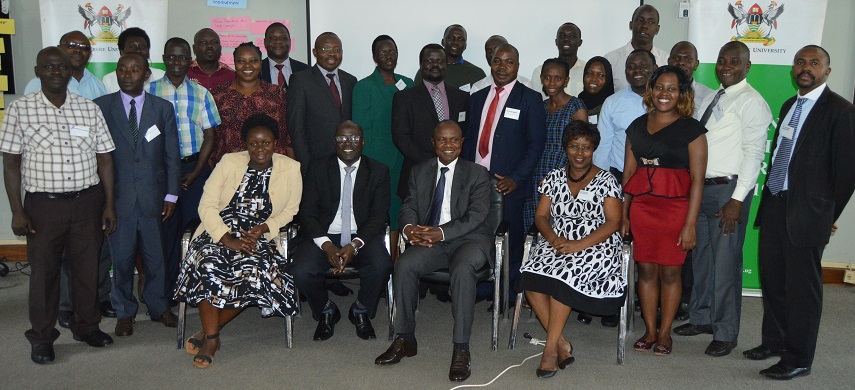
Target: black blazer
313, 114
322, 193
413, 120
821, 176
296, 66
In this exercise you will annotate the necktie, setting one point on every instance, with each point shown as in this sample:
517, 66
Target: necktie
706, 117
484, 141
436, 203
280, 80
437, 103
782, 159
333, 89
346, 201
132, 121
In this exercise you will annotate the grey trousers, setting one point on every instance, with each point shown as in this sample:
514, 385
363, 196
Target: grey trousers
463, 257
717, 266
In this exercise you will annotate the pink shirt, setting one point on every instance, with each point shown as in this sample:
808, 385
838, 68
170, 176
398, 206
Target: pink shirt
503, 98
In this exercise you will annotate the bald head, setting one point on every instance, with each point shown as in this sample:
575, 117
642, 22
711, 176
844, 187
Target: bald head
491, 44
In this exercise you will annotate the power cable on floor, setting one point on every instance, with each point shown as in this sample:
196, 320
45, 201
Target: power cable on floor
532, 341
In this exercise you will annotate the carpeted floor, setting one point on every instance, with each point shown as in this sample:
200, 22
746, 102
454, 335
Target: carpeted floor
254, 355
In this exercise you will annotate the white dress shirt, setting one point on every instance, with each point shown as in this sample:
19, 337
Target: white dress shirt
503, 98
701, 93
618, 112
574, 87
618, 59
324, 72
335, 226
274, 73
445, 213
811, 97
736, 135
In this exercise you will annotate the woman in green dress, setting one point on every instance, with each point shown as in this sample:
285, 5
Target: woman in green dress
372, 109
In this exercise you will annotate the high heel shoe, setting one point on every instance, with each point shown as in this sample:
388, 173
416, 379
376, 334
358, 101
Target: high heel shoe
545, 373
566, 362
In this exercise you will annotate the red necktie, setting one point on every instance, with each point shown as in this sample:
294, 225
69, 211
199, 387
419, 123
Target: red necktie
281, 78
484, 141
333, 89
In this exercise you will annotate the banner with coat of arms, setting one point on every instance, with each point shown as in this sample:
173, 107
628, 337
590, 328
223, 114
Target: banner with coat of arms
102, 21
774, 31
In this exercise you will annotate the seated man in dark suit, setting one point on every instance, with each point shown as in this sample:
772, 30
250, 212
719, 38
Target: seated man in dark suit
343, 213
277, 68
444, 218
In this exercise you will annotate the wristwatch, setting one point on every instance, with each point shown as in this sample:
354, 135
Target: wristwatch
355, 248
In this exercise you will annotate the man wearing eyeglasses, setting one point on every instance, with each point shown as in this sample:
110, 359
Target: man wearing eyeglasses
319, 99
277, 68
132, 40
197, 117
343, 213
82, 82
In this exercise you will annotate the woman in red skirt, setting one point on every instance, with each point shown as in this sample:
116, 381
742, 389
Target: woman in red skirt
666, 158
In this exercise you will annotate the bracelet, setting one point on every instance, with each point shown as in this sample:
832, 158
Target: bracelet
355, 248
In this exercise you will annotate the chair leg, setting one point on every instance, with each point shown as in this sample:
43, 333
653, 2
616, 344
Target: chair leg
512, 340
390, 294
182, 311
496, 296
626, 311
289, 331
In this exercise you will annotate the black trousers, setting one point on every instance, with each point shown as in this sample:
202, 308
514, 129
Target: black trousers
791, 280
310, 267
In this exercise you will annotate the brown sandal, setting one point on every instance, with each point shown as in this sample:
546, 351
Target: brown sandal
194, 343
205, 361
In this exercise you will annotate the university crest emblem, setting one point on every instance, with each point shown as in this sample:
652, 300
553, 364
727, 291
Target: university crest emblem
104, 25
755, 25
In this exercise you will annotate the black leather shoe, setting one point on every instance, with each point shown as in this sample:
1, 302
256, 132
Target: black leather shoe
338, 288
460, 367
443, 296
397, 351
107, 309
610, 321
42, 353
326, 326
363, 325
692, 330
584, 318
96, 338
720, 348
784, 372
762, 353
64, 318
682, 312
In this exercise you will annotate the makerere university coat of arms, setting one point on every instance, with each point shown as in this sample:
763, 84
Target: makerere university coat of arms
104, 25
755, 25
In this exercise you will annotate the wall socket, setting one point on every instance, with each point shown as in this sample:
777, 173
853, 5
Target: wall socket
849, 276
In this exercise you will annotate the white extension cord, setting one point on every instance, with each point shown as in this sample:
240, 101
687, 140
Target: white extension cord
532, 341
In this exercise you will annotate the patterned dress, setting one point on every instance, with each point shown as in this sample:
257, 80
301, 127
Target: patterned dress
235, 108
553, 156
589, 280
231, 279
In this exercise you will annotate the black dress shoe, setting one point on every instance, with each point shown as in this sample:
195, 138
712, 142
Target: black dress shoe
682, 312
692, 330
720, 348
784, 372
326, 326
363, 325
584, 318
42, 353
610, 321
64, 318
96, 338
397, 351
460, 367
338, 288
443, 296
107, 309
762, 353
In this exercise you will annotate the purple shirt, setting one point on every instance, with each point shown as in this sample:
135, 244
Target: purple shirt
443, 96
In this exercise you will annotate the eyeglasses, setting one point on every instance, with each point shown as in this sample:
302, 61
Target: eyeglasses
344, 138
336, 50
177, 58
76, 46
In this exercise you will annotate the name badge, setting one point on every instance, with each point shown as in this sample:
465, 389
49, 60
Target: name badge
152, 133
466, 88
461, 117
787, 131
718, 113
592, 119
585, 195
512, 113
401, 85
80, 131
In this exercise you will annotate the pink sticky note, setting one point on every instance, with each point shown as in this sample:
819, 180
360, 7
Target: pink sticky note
258, 26
232, 40
231, 23
260, 43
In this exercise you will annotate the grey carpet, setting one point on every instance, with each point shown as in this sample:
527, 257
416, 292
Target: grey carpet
254, 355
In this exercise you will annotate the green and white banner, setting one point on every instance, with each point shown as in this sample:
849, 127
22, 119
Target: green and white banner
102, 21
774, 32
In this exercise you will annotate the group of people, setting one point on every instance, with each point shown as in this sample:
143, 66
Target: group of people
588, 152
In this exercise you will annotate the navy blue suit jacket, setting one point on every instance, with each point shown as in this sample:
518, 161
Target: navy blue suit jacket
517, 143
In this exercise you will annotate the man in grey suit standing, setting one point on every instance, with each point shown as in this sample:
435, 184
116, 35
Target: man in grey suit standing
146, 163
443, 218
319, 99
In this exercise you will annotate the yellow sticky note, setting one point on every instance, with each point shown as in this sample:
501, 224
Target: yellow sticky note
7, 26
2, 45
4, 83
2, 100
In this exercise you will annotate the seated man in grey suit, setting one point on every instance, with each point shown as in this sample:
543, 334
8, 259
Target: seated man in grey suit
445, 225
146, 164
343, 213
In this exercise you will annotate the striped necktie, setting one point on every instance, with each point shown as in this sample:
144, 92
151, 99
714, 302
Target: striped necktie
785, 149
